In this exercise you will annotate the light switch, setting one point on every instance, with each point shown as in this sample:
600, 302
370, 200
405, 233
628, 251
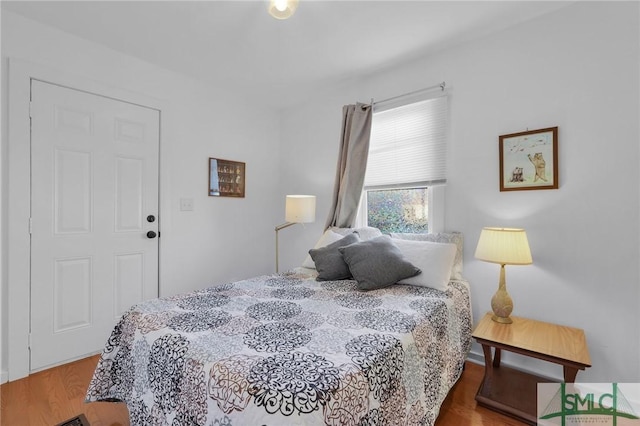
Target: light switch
186, 204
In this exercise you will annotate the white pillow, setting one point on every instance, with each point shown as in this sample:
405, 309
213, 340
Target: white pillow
433, 259
327, 238
441, 237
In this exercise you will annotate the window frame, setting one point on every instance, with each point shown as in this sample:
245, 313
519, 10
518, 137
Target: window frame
436, 191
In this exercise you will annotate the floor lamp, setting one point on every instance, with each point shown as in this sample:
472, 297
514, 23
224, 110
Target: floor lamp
298, 209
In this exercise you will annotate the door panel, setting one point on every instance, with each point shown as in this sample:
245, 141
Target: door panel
72, 172
72, 294
94, 166
128, 197
129, 281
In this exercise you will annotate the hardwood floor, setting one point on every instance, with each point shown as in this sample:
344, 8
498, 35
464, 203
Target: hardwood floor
460, 408
55, 395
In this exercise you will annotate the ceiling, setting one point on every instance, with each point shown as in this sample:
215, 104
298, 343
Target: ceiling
279, 62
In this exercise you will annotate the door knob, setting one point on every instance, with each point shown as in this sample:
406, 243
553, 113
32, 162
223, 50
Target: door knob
151, 234
151, 218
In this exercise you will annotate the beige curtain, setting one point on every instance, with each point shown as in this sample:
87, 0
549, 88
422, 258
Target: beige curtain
352, 164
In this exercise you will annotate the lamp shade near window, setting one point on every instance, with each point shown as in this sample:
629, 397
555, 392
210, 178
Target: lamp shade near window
300, 208
504, 246
297, 209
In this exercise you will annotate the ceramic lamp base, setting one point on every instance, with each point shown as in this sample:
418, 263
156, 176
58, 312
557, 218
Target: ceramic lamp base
502, 320
501, 302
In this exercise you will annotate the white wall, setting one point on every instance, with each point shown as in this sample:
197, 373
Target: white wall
577, 69
223, 239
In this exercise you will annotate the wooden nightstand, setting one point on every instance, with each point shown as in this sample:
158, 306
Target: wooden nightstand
514, 392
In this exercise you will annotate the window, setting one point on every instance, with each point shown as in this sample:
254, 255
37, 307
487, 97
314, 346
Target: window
398, 210
406, 167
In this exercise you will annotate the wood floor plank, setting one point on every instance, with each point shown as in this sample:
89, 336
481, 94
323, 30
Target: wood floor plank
12, 395
460, 407
77, 375
55, 395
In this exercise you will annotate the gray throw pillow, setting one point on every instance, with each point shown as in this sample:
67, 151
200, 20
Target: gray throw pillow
377, 263
329, 262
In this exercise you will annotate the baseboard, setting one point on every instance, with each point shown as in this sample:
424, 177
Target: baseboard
4, 376
476, 357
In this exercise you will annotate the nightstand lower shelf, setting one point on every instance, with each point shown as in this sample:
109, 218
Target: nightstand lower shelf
511, 392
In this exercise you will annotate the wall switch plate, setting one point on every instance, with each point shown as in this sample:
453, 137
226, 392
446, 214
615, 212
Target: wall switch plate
186, 204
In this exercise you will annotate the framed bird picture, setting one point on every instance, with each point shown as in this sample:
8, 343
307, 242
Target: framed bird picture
529, 160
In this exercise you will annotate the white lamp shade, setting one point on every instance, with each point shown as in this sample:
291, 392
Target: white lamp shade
300, 208
282, 9
506, 246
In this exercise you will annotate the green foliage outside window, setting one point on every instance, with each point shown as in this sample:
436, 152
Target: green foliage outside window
398, 210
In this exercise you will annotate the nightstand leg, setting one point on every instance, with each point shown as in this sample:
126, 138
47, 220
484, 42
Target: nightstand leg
488, 367
496, 357
569, 374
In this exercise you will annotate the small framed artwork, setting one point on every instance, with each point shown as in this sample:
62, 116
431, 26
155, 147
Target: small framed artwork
226, 178
529, 160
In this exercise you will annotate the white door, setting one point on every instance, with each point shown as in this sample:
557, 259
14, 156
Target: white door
94, 198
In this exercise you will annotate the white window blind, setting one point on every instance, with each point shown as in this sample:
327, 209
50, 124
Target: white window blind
408, 145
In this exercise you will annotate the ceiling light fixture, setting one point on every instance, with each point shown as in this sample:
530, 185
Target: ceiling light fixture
282, 9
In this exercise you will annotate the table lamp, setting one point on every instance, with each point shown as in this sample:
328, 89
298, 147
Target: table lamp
298, 209
504, 246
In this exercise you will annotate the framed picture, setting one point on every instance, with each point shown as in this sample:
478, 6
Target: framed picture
226, 178
529, 160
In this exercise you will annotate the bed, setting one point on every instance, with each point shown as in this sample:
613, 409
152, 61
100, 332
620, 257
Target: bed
287, 349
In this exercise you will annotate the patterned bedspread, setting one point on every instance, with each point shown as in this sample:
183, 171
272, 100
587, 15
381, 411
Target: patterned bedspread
288, 350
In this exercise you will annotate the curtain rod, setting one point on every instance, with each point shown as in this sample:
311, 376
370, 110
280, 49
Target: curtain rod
441, 86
